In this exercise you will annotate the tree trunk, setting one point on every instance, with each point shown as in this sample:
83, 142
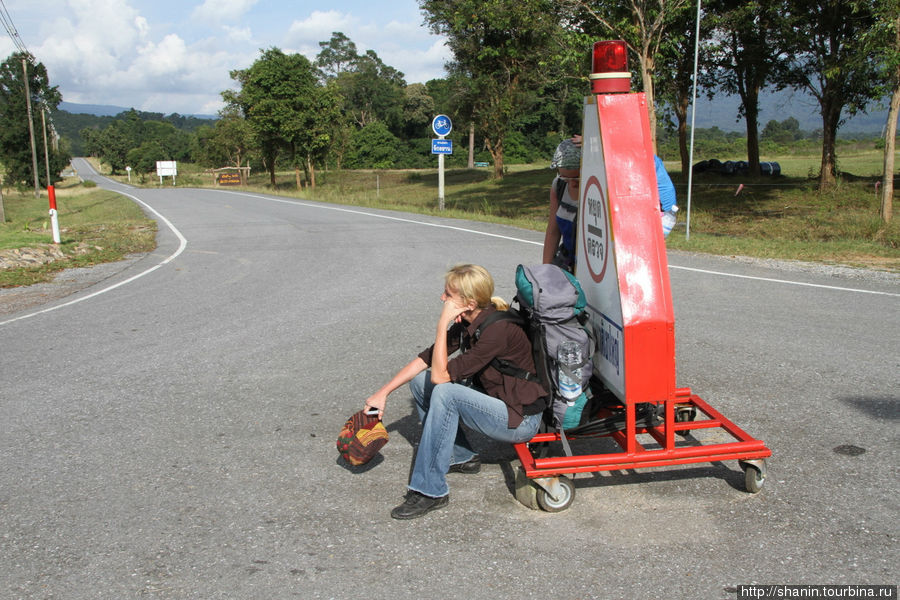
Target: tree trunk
496, 150
472, 145
890, 140
831, 114
751, 117
646, 60
681, 108
312, 172
297, 179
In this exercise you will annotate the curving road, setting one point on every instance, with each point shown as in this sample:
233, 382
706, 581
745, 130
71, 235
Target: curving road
169, 432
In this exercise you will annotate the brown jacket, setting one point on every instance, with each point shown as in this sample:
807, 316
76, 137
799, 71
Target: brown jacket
504, 340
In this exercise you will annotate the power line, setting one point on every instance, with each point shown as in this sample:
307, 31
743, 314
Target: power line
11, 30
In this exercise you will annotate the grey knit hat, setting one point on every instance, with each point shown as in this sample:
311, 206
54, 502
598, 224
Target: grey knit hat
567, 156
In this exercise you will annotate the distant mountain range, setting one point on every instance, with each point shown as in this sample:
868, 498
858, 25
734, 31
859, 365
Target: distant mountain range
107, 110
721, 112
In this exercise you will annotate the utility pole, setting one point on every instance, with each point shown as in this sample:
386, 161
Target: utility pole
46, 153
34, 165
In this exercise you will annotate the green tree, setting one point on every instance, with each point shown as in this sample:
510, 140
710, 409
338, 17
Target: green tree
115, 142
312, 129
829, 58
418, 111
373, 91
229, 142
15, 139
500, 48
143, 158
279, 96
374, 147
337, 55
783, 132
747, 57
642, 24
674, 78
883, 41
90, 141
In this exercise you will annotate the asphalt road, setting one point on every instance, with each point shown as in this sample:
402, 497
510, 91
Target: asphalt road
169, 432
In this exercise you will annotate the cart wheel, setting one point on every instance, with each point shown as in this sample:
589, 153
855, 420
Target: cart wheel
683, 415
754, 476
547, 502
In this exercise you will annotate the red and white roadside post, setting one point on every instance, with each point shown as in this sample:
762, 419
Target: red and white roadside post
54, 221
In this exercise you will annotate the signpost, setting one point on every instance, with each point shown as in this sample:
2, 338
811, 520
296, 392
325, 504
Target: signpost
166, 168
442, 126
442, 146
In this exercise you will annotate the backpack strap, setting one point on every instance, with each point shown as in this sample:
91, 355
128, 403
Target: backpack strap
505, 366
563, 198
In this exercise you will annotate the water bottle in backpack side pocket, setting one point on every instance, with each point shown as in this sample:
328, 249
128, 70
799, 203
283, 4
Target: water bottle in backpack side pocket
568, 357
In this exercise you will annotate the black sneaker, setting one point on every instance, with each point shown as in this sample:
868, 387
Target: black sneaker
470, 467
417, 504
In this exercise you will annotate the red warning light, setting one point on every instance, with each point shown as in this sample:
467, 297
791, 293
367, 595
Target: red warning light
610, 68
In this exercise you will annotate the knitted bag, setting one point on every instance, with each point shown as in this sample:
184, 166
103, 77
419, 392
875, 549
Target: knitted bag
361, 438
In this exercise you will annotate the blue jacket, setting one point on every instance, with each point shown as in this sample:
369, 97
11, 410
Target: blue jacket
664, 185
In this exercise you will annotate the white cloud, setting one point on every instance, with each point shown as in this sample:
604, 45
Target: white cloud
319, 26
238, 34
223, 10
396, 43
146, 54
143, 27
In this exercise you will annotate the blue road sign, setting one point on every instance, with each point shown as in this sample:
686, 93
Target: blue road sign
441, 125
442, 146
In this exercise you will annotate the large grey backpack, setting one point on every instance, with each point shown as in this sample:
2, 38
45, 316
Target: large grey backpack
551, 311
553, 305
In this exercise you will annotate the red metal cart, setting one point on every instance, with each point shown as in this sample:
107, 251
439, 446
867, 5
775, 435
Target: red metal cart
542, 482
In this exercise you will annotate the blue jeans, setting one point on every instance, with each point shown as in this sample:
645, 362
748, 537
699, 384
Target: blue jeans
441, 409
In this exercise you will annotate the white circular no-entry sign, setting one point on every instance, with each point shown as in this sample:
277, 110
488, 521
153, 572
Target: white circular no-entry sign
595, 228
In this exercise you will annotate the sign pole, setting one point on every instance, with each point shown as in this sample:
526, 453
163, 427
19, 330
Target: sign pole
441, 181
441, 126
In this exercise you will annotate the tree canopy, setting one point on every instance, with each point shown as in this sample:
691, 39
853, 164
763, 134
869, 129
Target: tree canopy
15, 139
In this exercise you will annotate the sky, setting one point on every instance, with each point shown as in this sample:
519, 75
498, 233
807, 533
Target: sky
171, 56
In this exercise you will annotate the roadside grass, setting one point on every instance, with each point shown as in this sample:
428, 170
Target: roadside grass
96, 226
788, 218
783, 217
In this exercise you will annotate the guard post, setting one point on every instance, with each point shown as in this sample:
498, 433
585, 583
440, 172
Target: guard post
622, 267
622, 262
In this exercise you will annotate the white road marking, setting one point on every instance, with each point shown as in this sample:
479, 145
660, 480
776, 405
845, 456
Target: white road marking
183, 245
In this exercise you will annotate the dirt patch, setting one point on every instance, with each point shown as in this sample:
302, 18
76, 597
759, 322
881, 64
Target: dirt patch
65, 283
41, 255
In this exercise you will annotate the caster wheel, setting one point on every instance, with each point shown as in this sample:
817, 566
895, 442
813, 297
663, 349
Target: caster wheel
566, 496
754, 476
684, 415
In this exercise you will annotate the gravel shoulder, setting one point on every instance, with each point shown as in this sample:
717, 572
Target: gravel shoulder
67, 282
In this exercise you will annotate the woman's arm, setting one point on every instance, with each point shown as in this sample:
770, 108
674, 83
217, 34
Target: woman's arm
450, 313
404, 375
551, 235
